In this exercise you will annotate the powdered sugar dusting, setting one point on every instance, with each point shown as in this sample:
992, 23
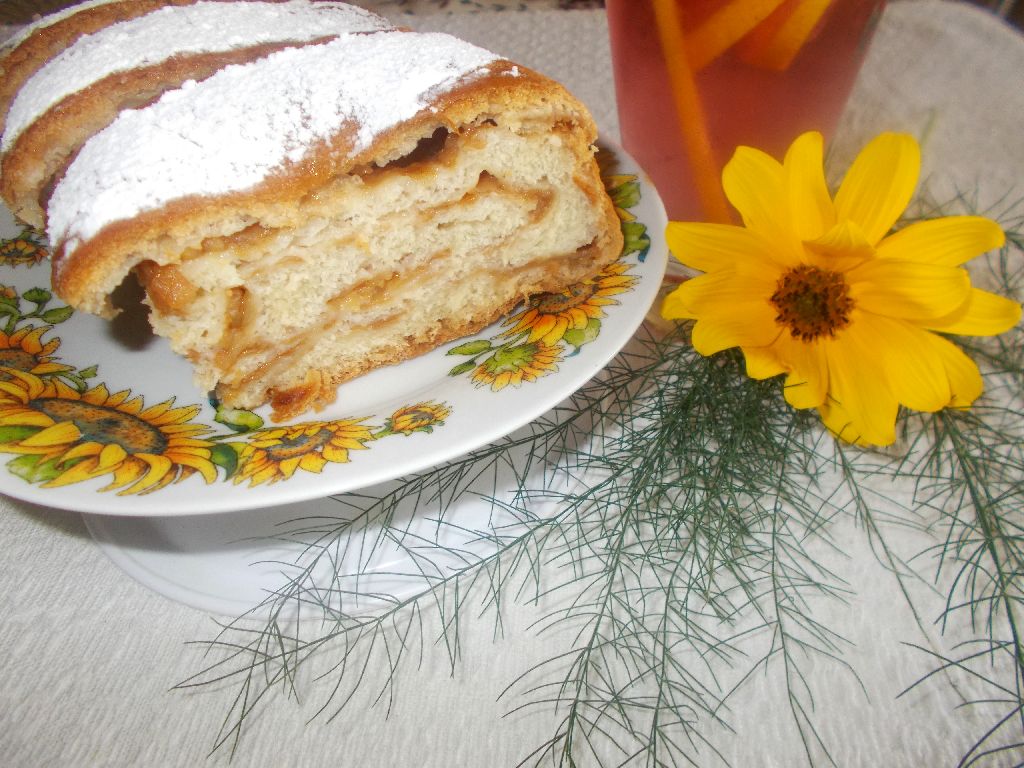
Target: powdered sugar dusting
50, 20
174, 30
232, 130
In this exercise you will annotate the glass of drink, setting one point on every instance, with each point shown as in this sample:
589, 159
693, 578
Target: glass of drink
695, 79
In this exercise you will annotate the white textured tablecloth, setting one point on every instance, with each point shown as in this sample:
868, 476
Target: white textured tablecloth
89, 655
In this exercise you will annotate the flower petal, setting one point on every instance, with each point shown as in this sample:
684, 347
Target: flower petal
730, 311
59, 434
126, 473
152, 413
762, 362
80, 472
926, 372
811, 212
31, 342
839, 422
288, 466
163, 482
983, 314
755, 184
907, 289
806, 386
159, 466
81, 450
723, 290
861, 407
554, 333
915, 371
336, 454
13, 390
22, 416
200, 463
676, 306
711, 247
879, 185
841, 248
965, 382
97, 395
951, 240
348, 443
44, 368
111, 456
714, 332
313, 462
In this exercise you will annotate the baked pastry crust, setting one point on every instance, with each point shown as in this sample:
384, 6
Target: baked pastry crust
158, 52
380, 238
53, 34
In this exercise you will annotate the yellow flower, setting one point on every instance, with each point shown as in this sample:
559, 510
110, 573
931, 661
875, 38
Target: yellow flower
275, 454
817, 289
547, 316
96, 433
25, 350
514, 365
422, 417
27, 248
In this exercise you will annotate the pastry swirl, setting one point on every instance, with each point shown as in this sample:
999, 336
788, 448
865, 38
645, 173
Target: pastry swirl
306, 206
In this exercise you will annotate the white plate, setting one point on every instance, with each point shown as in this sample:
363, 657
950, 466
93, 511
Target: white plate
347, 554
92, 383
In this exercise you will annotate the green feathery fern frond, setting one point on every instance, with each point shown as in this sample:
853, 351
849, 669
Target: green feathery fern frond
671, 509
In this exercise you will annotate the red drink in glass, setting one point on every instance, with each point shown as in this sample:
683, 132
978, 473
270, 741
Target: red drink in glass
764, 72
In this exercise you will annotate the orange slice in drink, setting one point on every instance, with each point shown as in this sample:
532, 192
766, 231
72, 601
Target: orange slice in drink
775, 43
690, 110
725, 27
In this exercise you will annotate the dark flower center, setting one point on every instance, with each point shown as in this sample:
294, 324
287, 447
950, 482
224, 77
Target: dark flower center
293, 447
104, 425
573, 296
18, 359
413, 418
812, 302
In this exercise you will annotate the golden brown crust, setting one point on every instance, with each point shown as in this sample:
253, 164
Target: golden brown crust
94, 268
23, 61
39, 156
221, 322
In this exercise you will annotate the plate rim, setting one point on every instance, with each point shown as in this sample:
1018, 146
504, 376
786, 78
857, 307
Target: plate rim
86, 497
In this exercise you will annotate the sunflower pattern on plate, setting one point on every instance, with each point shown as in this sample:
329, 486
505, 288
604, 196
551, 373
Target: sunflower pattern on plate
62, 428
27, 248
552, 326
63, 431
276, 453
422, 417
24, 345
63, 436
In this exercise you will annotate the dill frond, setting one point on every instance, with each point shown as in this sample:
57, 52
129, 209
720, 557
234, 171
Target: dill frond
670, 510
